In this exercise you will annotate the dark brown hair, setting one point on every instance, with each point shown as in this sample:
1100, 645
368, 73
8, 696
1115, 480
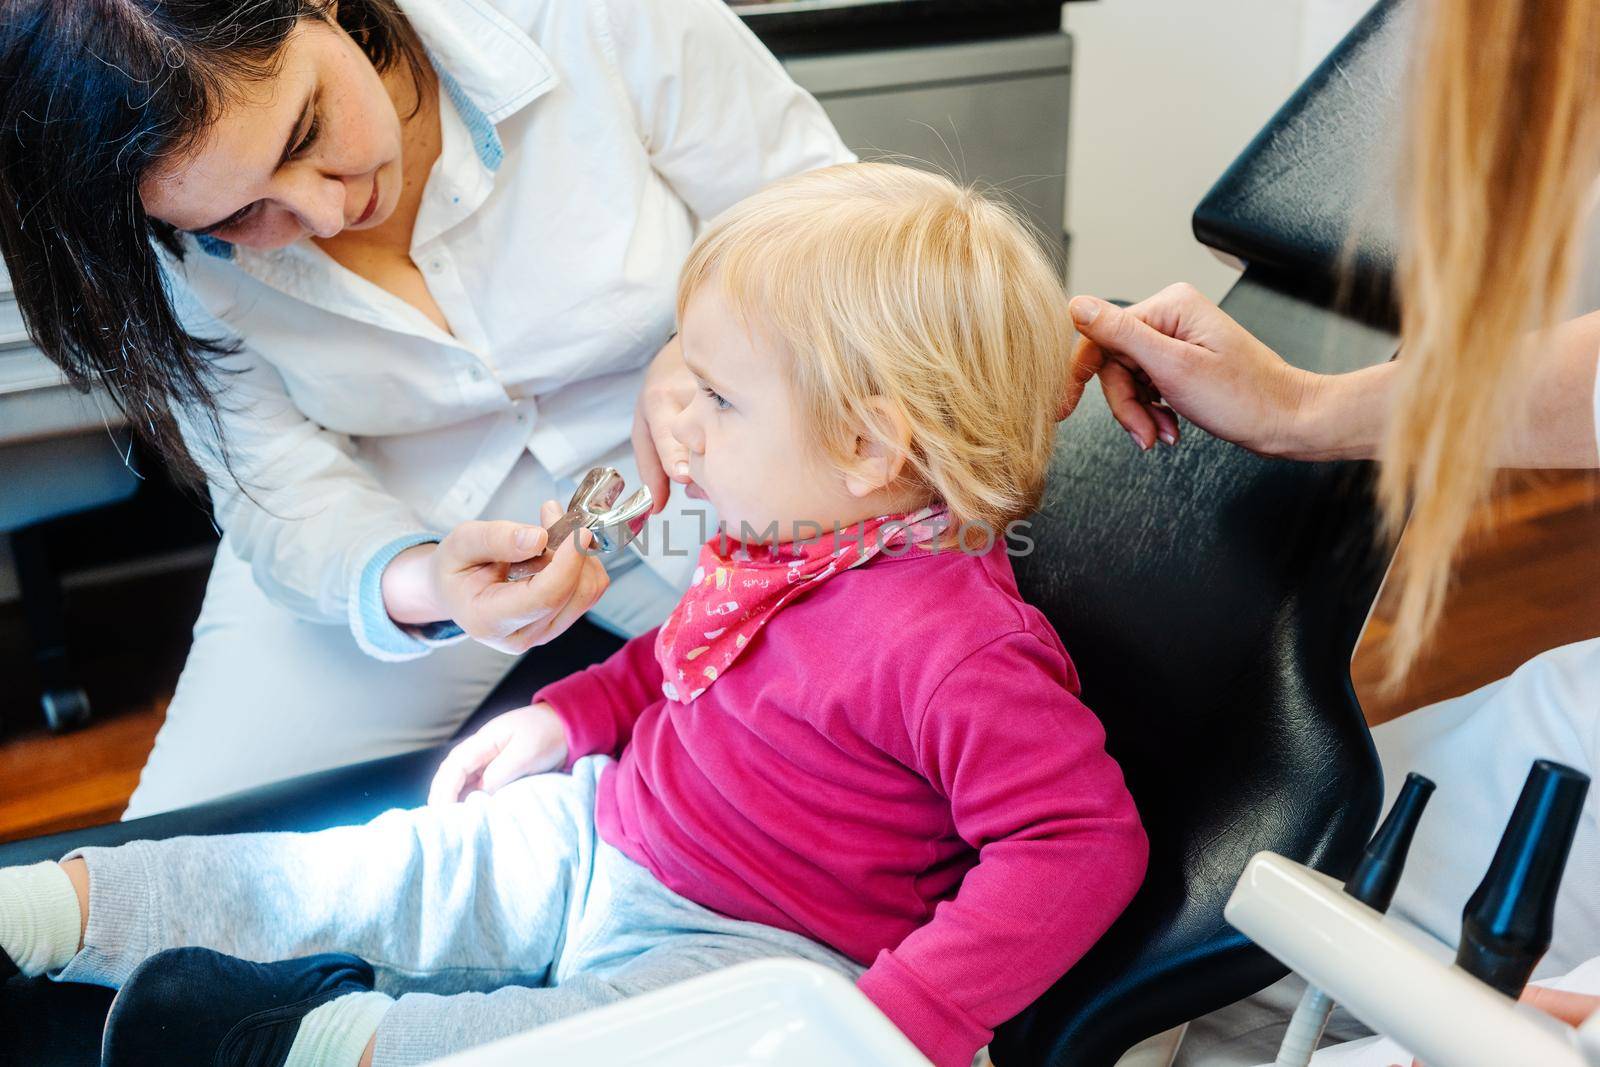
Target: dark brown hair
95, 94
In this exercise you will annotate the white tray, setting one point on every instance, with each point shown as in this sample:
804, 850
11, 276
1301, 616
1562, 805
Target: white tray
771, 1013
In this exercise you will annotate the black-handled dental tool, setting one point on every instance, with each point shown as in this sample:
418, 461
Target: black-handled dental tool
1373, 884
1378, 874
1506, 925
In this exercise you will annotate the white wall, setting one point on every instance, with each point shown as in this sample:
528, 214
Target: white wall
1165, 94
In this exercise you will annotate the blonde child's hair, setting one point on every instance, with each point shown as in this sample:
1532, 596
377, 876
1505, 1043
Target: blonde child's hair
879, 280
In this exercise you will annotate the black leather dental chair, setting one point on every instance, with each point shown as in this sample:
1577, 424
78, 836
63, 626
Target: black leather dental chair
1210, 598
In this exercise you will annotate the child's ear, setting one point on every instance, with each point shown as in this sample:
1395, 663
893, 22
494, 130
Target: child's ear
877, 462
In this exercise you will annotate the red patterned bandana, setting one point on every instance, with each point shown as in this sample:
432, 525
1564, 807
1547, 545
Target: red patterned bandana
738, 587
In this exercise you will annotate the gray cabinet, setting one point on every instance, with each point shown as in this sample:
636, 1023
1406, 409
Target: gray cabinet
56, 454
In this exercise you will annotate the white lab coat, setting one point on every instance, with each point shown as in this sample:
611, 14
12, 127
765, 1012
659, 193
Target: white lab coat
584, 141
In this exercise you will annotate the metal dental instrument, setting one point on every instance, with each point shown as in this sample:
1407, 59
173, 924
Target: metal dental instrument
594, 506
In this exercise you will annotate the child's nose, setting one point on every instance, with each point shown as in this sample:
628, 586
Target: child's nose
686, 428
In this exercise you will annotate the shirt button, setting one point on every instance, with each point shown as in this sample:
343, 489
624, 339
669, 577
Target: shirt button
475, 373
435, 266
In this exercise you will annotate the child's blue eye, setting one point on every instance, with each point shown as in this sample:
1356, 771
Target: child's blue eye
716, 398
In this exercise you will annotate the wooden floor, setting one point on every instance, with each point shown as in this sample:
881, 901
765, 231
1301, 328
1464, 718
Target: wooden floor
1534, 586
129, 641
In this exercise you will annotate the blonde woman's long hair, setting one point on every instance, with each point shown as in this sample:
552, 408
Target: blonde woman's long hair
1503, 155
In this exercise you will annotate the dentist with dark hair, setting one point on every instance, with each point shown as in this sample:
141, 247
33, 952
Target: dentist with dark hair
388, 274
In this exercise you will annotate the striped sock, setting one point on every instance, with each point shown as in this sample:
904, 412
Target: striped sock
39, 917
335, 1034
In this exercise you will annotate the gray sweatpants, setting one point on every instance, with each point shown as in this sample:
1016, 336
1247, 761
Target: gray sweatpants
484, 918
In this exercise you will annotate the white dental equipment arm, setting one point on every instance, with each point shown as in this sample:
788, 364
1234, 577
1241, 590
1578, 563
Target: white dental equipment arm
1373, 883
1386, 977
1461, 1014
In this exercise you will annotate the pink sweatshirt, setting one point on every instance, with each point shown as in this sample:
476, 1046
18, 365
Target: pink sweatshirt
898, 766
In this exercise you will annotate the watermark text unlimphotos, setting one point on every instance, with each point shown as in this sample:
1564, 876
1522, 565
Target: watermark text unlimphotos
893, 538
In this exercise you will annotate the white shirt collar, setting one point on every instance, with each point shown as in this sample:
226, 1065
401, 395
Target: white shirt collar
495, 63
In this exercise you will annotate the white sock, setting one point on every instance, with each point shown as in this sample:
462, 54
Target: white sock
39, 918
335, 1034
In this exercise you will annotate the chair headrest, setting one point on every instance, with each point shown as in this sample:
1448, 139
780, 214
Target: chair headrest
1314, 192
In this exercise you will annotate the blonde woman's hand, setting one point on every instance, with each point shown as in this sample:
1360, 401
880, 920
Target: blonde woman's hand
1178, 352
1571, 1008
668, 389
526, 741
462, 578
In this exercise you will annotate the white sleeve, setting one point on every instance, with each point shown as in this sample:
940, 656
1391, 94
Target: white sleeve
717, 113
295, 504
1589, 1038
1597, 402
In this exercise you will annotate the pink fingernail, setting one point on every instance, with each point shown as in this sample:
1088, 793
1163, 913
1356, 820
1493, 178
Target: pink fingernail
1168, 437
1142, 446
682, 469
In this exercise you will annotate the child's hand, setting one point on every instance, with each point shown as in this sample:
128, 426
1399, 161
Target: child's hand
514, 745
